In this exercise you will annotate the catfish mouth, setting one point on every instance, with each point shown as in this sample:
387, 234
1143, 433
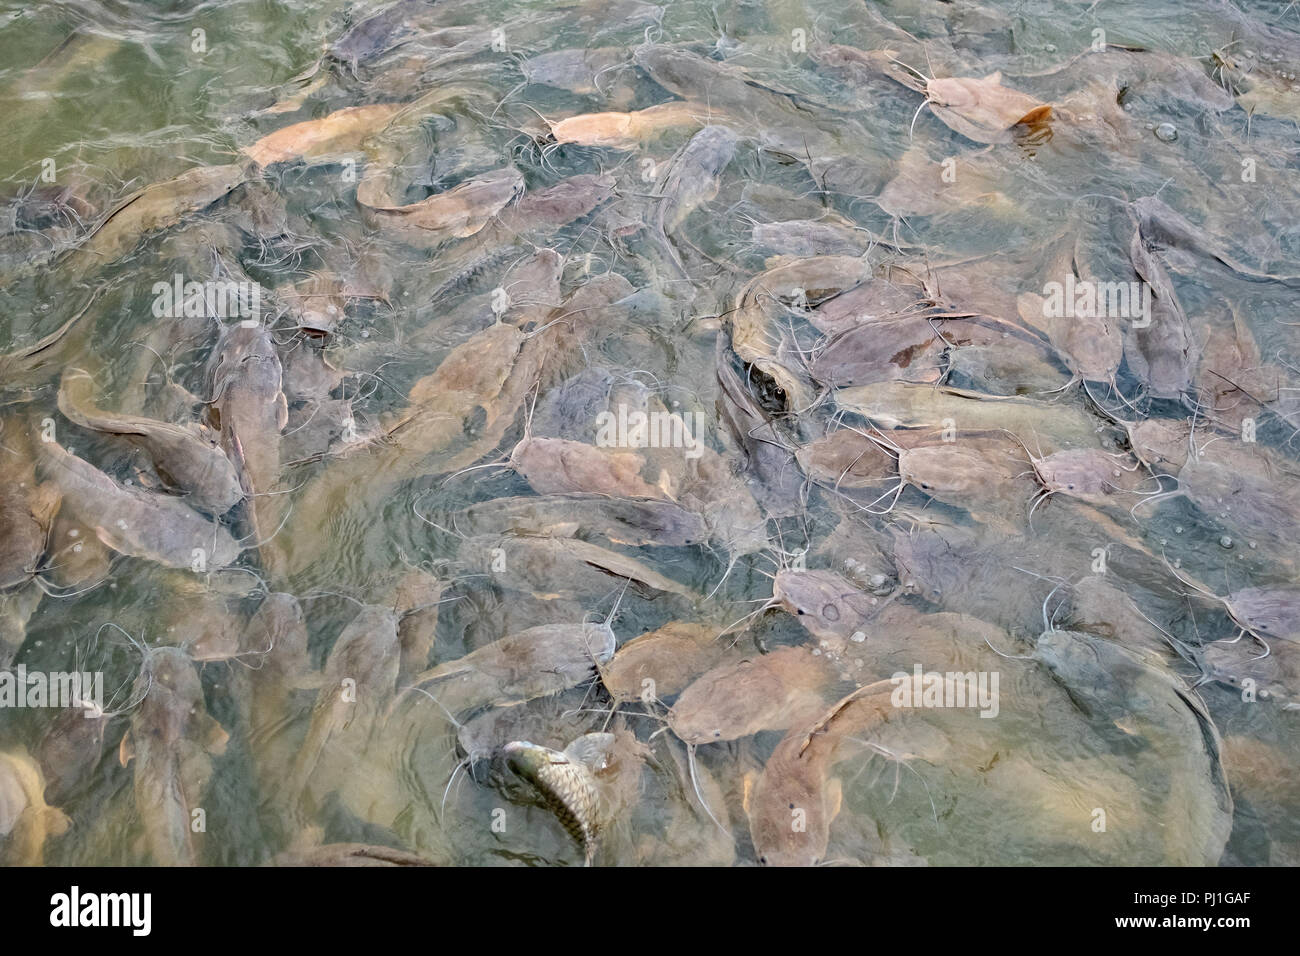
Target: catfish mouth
771, 397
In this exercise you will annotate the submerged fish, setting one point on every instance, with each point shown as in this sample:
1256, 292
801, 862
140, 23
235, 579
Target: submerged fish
26, 821
565, 784
135, 522
587, 785
171, 740
188, 456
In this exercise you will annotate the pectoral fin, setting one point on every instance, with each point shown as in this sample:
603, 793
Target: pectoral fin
749, 780
56, 821
834, 798
215, 737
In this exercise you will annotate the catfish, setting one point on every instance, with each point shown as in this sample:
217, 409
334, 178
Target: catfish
250, 404
135, 522
769, 692
357, 688
171, 741
518, 667
27, 507
26, 820
187, 457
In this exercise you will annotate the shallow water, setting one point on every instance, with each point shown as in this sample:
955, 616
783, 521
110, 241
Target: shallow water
114, 97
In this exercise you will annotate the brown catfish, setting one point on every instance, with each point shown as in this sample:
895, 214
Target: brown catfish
981, 108
846, 458
627, 130
152, 208
663, 662
459, 212
828, 605
770, 692
171, 740
559, 466
27, 508
359, 683
909, 348
980, 474
186, 456
792, 803
26, 821
338, 132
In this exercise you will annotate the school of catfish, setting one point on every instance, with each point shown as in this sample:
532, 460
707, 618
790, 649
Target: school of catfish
655, 435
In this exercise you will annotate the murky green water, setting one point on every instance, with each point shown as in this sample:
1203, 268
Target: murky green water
1172, 741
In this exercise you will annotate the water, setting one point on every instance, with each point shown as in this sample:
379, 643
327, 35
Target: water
105, 99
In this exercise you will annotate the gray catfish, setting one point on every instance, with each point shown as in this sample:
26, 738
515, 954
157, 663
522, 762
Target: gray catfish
692, 179
135, 522
1152, 709
360, 677
531, 663
170, 740
248, 395
186, 456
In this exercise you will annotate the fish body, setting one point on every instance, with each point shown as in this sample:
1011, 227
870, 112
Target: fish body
359, 681
247, 390
26, 511
189, 456
170, 740
132, 521
25, 818
1149, 705
565, 784
532, 663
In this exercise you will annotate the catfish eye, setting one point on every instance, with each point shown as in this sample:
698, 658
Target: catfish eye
763, 860
799, 610
717, 733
